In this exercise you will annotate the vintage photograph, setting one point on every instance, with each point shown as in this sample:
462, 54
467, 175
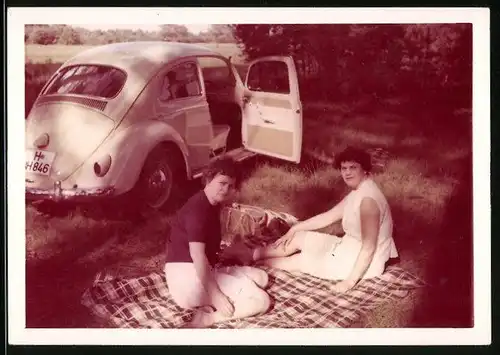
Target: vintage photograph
249, 175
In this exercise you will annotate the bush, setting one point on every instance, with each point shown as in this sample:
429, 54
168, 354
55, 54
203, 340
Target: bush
36, 76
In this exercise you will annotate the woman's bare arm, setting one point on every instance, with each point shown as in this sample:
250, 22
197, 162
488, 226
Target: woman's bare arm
202, 266
207, 277
370, 224
321, 220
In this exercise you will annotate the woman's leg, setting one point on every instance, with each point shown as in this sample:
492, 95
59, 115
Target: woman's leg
314, 248
257, 275
248, 300
288, 263
279, 251
251, 302
184, 285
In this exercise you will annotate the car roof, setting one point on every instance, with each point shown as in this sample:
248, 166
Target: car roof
142, 57
154, 51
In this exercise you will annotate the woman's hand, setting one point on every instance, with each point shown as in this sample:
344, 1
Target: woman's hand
222, 304
343, 286
285, 240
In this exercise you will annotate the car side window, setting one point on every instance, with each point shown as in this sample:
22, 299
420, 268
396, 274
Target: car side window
269, 76
180, 82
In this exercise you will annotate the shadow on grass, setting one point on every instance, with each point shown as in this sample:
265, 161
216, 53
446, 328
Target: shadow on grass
449, 302
53, 294
56, 281
53, 291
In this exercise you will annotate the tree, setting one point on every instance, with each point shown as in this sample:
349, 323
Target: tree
174, 33
368, 59
69, 36
220, 34
438, 53
318, 50
28, 30
43, 35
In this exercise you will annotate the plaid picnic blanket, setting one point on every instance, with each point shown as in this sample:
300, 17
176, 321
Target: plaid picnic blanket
299, 300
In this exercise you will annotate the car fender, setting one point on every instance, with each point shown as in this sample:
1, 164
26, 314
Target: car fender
129, 147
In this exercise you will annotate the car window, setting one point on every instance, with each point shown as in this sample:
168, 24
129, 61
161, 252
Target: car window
180, 82
269, 76
216, 72
88, 80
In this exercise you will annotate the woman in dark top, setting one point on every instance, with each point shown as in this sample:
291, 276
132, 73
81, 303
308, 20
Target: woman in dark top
234, 292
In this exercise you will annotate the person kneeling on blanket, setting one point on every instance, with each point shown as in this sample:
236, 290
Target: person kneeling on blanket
360, 254
195, 238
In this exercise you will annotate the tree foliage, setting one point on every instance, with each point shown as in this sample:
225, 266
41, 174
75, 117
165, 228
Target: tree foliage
69, 35
378, 60
431, 63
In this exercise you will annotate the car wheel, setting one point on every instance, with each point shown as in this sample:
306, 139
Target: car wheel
160, 180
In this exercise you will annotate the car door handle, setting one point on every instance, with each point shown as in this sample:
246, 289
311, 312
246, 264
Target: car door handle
267, 121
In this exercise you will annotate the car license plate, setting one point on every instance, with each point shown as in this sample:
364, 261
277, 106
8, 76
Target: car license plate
39, 161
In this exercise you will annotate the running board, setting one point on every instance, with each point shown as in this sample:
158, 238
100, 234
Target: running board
238, 155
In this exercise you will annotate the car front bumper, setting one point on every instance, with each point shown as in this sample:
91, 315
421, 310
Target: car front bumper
58, 194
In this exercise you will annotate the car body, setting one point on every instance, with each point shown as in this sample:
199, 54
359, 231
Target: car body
142, 117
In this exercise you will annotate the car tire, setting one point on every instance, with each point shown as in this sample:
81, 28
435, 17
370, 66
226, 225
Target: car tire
160, 182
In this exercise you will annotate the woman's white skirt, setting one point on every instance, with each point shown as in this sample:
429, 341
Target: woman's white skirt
329, 257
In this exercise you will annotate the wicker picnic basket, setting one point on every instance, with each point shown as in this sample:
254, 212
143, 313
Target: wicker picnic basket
252, 221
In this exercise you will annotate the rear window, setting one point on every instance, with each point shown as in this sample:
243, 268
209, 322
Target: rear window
89, 80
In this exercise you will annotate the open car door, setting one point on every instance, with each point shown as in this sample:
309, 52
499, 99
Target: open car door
272, 111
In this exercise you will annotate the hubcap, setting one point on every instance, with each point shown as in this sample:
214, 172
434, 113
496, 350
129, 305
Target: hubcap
158, 187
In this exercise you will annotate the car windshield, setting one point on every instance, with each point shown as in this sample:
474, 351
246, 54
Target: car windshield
88, 80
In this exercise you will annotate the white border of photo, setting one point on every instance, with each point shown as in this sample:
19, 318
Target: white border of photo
18, 17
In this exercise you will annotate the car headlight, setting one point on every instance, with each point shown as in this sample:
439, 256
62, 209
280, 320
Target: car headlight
101, 167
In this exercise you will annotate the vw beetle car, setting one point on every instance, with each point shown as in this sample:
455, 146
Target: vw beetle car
140, 118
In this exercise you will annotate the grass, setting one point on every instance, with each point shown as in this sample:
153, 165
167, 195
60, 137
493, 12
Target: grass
56, 53
420, 176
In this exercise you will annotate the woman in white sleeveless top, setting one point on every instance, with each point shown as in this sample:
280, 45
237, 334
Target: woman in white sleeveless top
366, 219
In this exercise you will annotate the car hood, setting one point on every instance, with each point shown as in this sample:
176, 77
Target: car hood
74, 133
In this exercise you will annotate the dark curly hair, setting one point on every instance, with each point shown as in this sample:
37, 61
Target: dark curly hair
354, 154
224, 166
